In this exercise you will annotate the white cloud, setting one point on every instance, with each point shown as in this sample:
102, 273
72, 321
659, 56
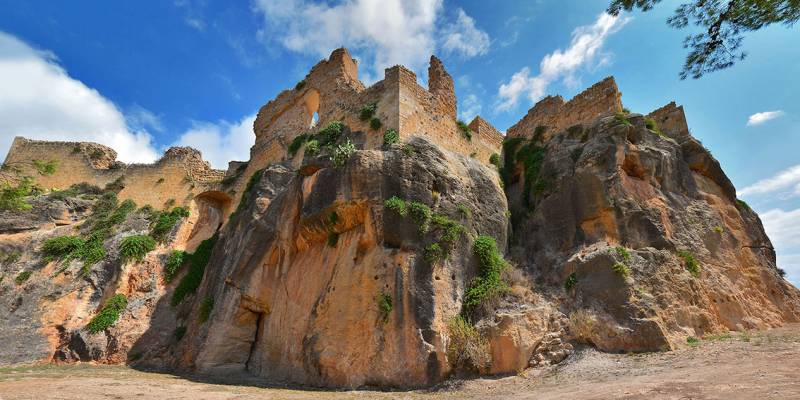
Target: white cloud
469, 108
583, 52
381, 33
790, 263
40, 101
785, 179
221, 142
464, 37
783, 227
140, 118
760, 118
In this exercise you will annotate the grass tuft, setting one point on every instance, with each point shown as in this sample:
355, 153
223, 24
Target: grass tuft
108, 315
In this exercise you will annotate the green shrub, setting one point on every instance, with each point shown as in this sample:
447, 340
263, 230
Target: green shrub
296, 143
22, 277
136, 247
692, 341
494, 159
165, 221
409, 150
621, 269
312, 147
397, 205
488, 284
466, 349
539, 132
63, 248
650, 123
330, 134
465, 211
12, 198
206, 306
375, 123
571, 281
300, 85
333, 239
366, 112
45, 168
420, 214
718, 229
622, 119
433, 253
117, 185
179, 333
244, 201
384, 306
108, 315
464, 129
623, 253
341, 153
197, 262
173, 265
743, 204
390, 137
532, 157
781, 272
690, 262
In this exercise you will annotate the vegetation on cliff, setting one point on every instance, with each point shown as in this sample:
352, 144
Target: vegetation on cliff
108, 315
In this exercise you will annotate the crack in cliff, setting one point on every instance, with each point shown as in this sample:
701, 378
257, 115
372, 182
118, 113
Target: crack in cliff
254, 343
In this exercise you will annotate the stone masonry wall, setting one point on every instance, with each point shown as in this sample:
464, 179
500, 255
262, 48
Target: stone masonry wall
552, 113
180, 174
671, 119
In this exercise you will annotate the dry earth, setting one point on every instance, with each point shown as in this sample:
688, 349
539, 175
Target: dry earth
756, 365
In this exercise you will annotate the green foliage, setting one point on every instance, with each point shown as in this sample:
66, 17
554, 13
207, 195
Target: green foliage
333, 218
384, 306
341, 153
366, 112
12, 198
571, 281
623, 253
718, 229
390, 137
532, 157
488, 283
621, 269
206, 306
173, 265
743, 204
409, 150
494, 159
197, 262
10, 258
136, 247
539, 132
330, 134
375, 123
296, 143
433, 253
245, 200
622, 119
312, 147
650, 123
179, 333
692, 341
117, 185
690, 262
62, 247
420, 214
722, 25
465, 211
464, 128
466, 349
45, 168
397, 205
333, 239
781, 272
108, 315
22, 277
300, 85
165, 221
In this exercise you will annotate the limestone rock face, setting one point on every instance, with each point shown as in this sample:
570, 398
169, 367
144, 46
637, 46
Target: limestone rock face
298, 277
612, 214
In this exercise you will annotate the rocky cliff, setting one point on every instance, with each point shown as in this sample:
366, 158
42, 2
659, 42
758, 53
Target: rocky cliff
362, 254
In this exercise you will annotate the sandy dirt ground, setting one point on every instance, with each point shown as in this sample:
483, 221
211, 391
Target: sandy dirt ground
755, 365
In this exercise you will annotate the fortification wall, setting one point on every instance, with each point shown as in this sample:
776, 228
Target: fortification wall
180, 175
554, 115
671, 120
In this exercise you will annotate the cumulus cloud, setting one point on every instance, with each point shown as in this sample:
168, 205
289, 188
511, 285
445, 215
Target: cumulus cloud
469, 108
381, 33
760, 118
41, 101
222, 141
786, 179
464, 37
584, 52
783, 227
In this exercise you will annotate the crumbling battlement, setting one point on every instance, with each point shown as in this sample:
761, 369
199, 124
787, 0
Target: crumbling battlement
671, 119
552, 115
178, 177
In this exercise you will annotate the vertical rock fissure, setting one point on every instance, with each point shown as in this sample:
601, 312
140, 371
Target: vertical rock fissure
254, 344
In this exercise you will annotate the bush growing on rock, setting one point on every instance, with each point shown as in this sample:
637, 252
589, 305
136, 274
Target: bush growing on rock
467, 350
621, 269
375, 123
165, 221
384, 306
173, 265
464, 128
12, 198
197, 262
136, 247
206, 306
397, 205
487, 285
366, 112
571, 281
390, 137
108, 315
22, 277
342, 153
690, 262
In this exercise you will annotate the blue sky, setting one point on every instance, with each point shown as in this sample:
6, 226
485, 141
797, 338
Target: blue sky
142, 76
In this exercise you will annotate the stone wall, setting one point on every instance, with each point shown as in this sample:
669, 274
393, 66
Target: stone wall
554, 115
671, 120
180, 175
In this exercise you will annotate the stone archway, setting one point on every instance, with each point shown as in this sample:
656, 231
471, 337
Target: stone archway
311, 103
208, 212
